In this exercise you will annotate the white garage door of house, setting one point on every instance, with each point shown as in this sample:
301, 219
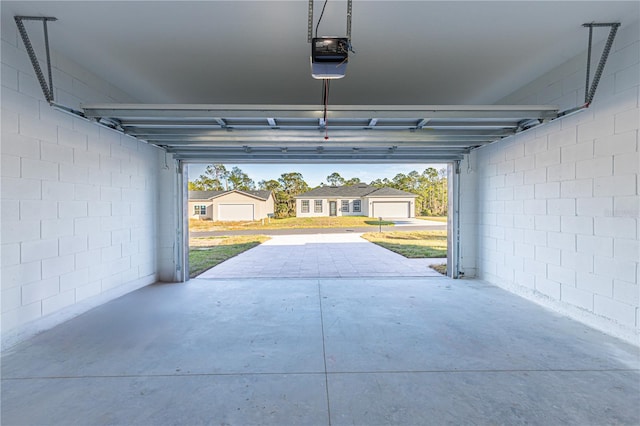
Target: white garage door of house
228, 212
391, 209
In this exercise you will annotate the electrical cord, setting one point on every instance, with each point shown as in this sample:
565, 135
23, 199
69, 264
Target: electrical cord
325, 102
325, 82
320, 18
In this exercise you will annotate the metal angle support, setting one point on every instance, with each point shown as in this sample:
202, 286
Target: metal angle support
47, 89
310, 21
349, 13
590, 91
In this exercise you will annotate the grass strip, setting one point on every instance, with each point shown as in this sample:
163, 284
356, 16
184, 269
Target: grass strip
205, 253
287, 223
413, 245
442, 268
433, 218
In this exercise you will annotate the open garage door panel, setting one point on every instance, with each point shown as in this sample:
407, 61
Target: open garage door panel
235, 212
296, 133
391, 209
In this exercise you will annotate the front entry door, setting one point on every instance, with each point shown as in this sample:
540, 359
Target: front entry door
332, 208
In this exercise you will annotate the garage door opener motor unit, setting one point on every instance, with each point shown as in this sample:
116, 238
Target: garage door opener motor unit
329, 56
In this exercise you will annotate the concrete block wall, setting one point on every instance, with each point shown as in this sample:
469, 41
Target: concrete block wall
79, 202
552, 213
168, 220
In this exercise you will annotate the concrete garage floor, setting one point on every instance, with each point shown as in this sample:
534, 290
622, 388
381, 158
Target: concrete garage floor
408, 351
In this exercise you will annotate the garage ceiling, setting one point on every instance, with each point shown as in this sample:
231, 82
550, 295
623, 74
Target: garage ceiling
248, 53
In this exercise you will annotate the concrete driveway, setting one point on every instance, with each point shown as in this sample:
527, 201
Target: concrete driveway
413, 222
321, 256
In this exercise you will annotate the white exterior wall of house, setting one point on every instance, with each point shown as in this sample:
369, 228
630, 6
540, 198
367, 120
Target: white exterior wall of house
552, 213
268, 208
208, 206
81, 210
366, 205
312, 212
350, 212
325, 207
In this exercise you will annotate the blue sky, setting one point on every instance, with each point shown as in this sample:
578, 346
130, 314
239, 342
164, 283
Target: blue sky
314, 174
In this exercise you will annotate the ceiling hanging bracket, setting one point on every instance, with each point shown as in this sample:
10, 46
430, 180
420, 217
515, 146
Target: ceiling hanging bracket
47, 88
590, 90
349, 10
310, 21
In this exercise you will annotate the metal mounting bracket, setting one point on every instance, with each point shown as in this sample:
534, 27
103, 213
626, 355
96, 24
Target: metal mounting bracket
310, 21
590, 90
47, 89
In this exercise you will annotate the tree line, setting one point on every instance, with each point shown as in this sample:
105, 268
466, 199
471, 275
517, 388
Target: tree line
430, 186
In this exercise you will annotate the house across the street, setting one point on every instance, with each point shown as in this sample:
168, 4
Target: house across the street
232, 205
356, 200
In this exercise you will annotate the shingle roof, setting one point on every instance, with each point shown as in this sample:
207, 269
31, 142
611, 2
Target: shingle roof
390, 192
360, 190
207, 195
262, 194
204, 195
339, 191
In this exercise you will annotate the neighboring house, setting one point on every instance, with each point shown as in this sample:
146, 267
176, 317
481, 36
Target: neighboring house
356, 200
233, 205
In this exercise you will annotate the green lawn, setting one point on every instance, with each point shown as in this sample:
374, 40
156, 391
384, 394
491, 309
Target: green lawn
442, 268
433, 218
291, 222
417, 244
205, 253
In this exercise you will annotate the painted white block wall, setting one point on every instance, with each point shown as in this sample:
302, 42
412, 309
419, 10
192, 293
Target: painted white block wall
80, 204
552, 213
168, 219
